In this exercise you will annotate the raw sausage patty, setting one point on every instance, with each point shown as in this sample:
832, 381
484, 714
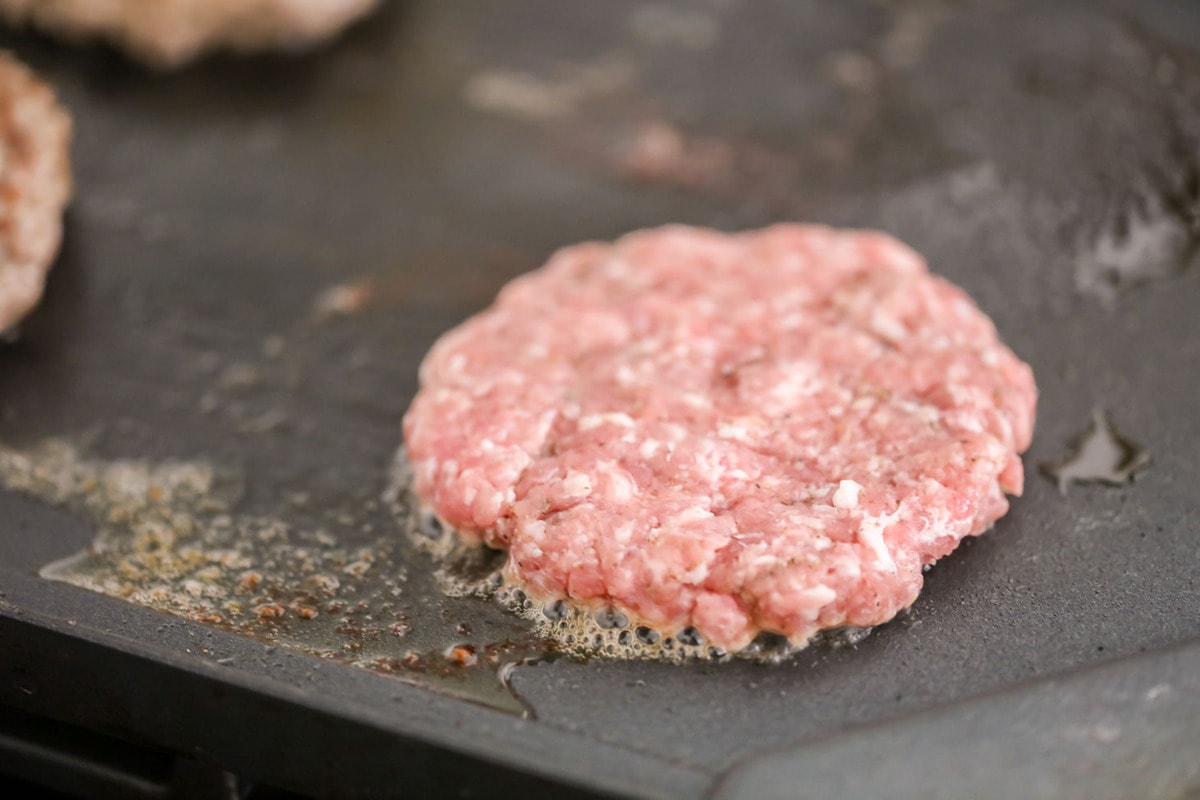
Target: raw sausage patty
766, 431
35, 184
169, 32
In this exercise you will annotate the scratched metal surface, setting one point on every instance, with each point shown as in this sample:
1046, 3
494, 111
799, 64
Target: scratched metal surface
1045, 157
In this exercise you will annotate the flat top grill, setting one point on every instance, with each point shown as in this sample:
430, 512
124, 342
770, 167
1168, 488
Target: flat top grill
1044, 158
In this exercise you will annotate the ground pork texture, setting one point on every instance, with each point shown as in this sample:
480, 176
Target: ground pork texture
167, 33
774, 430
35, 185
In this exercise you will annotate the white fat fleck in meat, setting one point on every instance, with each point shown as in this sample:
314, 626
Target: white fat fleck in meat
846, 495
541, 431
577, 484
792, 383
732, 430
936, 527
791, 321
849, 568
489, 506
677, 433
925, 411
617, 485
888, 327
617, 418
693, 514
870, 533
806, 603
625, 376
861, 404
821, 595
533, 532
740, 429
618, 269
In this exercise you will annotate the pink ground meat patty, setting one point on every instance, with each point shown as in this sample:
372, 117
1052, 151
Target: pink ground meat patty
35, 185
766, 431
170, 32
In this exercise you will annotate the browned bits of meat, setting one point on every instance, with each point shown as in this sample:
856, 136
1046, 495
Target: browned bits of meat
270, 611
35, 185
716, 435
167, 33
249, 581
303, 610
463, 655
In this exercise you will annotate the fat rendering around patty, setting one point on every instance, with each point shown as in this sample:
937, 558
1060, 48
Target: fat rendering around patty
770, 431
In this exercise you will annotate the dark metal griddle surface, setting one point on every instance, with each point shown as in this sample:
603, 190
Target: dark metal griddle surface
1046, 157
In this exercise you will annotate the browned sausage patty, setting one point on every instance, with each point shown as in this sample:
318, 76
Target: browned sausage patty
167, 33
35, 184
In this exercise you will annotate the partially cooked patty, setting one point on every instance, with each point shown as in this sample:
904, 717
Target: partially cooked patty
766, 431
35, 184
170, 32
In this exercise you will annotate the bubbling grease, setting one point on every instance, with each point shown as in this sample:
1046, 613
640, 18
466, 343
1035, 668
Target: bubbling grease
592, 630
584, 629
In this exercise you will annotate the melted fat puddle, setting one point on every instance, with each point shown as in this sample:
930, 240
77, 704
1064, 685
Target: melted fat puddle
1100, 454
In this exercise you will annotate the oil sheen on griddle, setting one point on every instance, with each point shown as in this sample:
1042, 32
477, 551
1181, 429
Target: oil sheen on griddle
1099, 455
170, 537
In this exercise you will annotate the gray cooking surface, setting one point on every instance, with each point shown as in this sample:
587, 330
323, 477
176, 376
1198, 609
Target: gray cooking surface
1046, 157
